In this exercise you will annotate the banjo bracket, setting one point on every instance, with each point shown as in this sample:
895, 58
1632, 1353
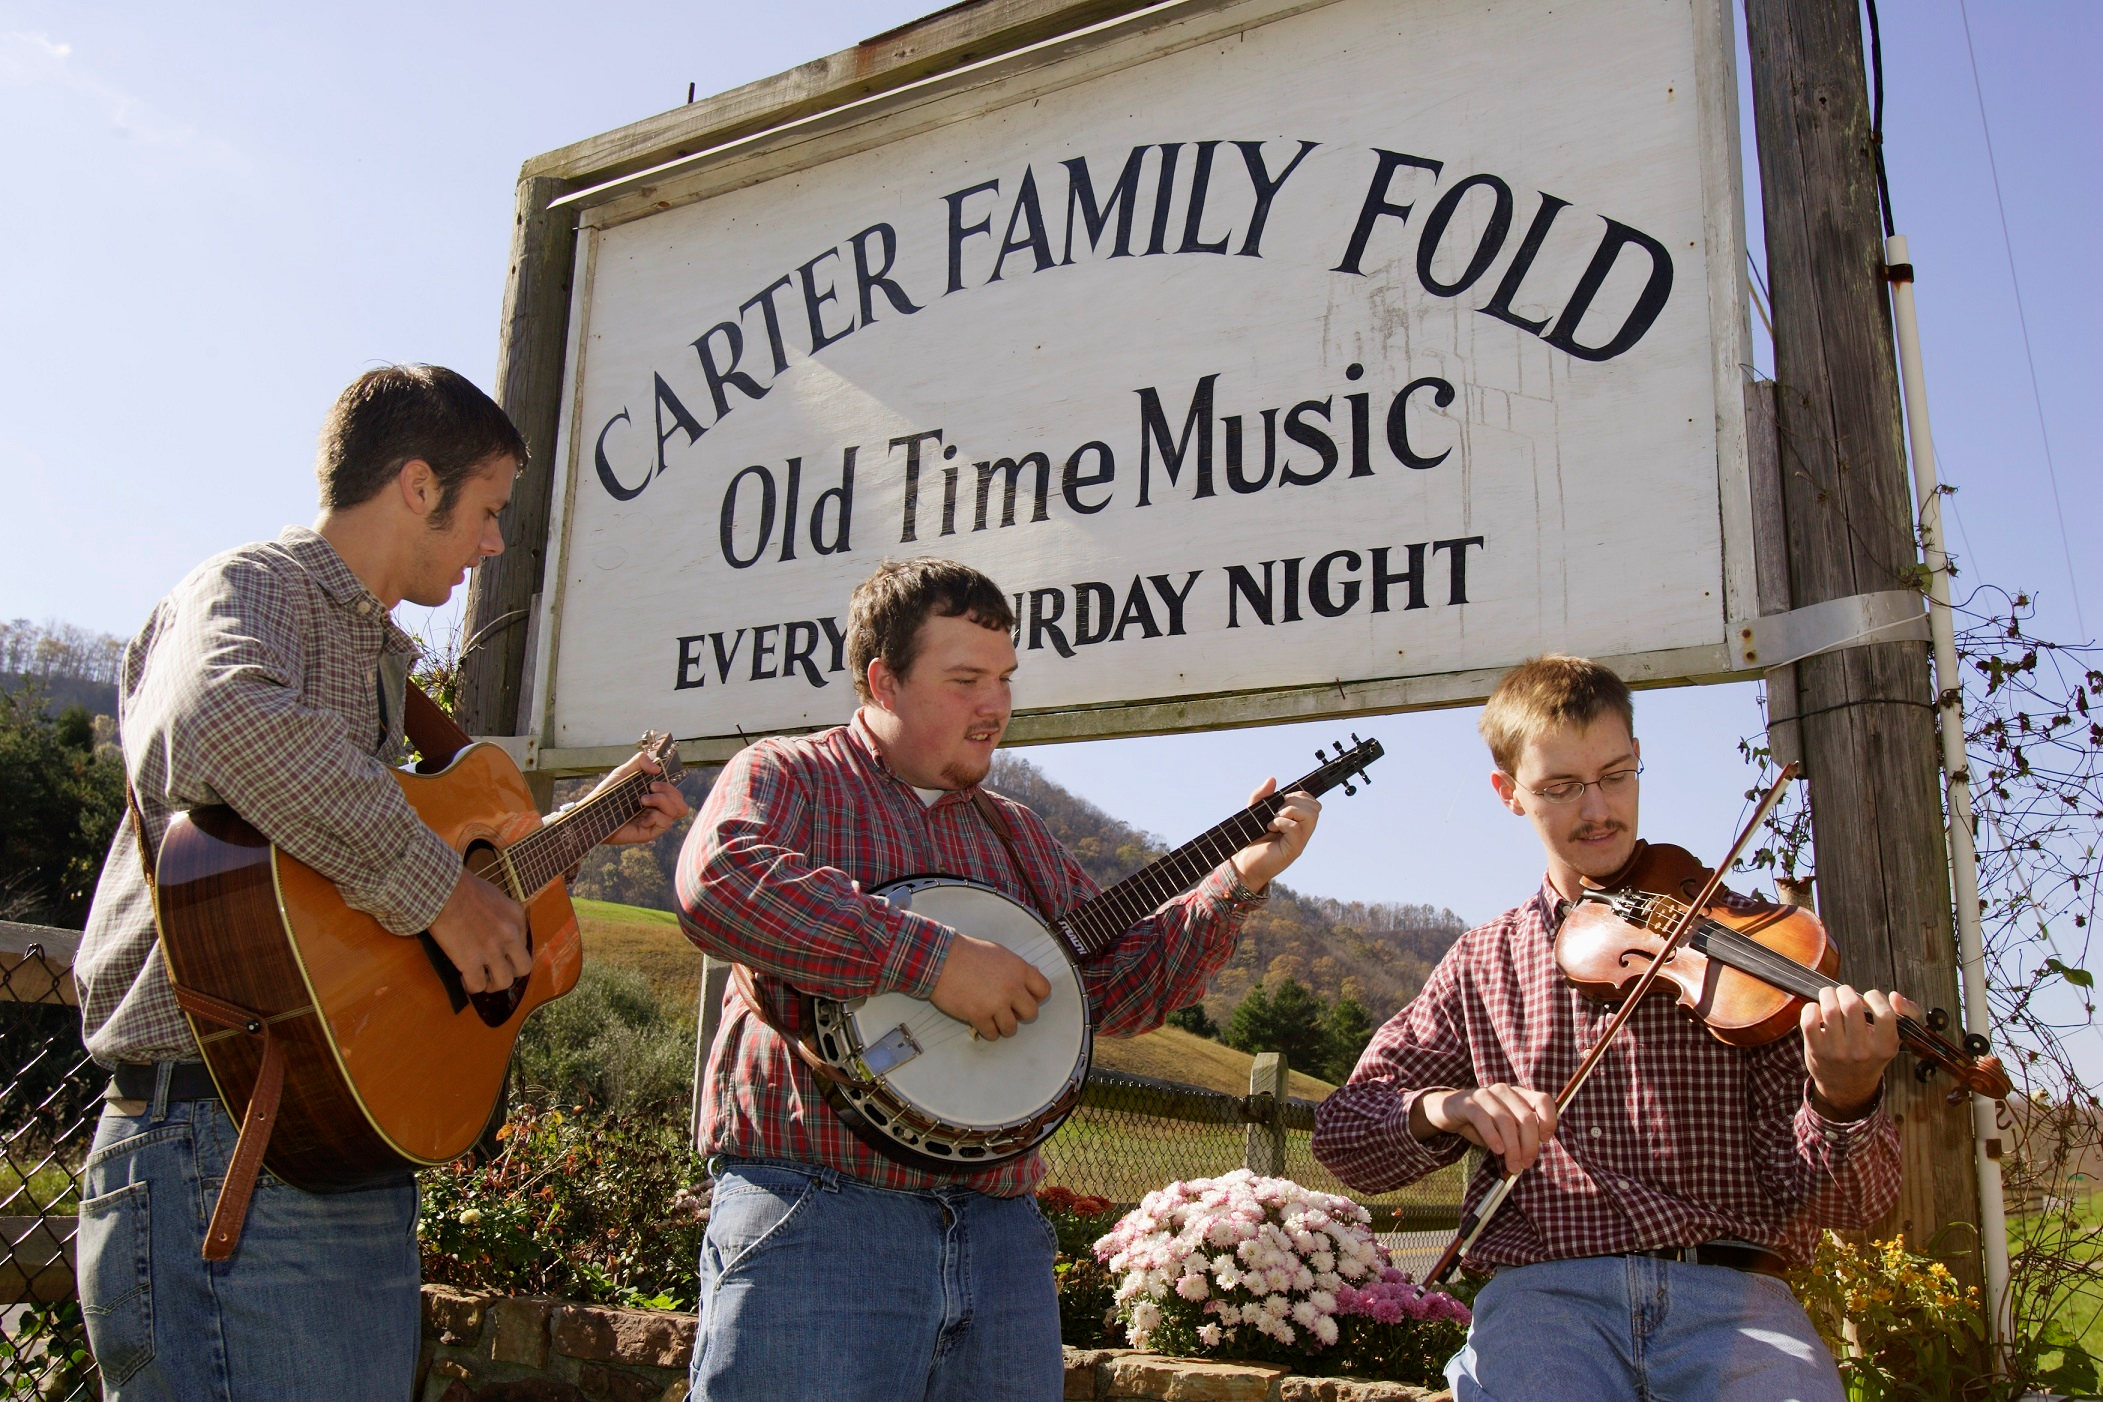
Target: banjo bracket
889, 1052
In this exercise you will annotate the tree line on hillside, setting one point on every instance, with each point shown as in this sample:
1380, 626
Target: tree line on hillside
43, 651
1375, 955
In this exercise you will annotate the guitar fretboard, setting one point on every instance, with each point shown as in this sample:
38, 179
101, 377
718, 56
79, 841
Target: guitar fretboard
1097, 923
547, 853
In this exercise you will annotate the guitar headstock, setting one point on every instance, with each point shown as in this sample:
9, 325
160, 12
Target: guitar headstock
1338, 768
662, 748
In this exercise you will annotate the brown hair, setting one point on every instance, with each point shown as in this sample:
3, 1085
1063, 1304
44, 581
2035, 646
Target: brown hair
1544, 692
390, 416
885, 614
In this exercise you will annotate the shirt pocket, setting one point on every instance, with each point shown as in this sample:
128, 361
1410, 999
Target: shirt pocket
116, 1280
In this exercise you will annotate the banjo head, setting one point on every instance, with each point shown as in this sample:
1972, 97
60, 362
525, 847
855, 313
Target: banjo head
934, 1065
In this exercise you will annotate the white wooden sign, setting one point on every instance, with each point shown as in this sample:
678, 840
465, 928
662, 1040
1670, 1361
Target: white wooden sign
1316, 350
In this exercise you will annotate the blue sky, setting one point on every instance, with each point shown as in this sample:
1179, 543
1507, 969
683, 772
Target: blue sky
218, 215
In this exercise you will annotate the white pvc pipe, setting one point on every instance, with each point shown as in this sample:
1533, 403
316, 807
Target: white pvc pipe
1964, 857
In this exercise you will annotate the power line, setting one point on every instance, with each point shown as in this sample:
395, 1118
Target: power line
2036, 395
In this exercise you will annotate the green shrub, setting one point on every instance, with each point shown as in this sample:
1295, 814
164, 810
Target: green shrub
589, 1206
608, 1044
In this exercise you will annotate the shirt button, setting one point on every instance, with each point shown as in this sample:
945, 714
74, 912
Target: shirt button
1595, 1131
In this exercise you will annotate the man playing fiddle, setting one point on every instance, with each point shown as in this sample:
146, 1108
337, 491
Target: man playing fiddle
1639, 1253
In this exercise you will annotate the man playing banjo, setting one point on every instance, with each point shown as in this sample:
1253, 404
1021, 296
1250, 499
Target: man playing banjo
831, 1271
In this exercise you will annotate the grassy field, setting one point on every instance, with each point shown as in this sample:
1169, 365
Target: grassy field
649, 941
2082, 1311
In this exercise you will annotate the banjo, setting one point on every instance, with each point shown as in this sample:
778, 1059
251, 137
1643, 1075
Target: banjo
924, 1089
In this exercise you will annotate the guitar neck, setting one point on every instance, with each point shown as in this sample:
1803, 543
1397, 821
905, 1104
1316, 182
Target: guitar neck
561, 843
1096, 924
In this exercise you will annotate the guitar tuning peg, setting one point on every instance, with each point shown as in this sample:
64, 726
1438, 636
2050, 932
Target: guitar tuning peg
1364, 778
1355, 741
1319, 756
1348, 789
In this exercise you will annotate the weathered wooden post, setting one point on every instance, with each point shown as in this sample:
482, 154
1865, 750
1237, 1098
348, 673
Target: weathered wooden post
1864, 713
1264, 1145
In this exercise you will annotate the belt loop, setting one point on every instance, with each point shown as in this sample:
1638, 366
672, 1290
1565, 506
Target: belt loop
163, 1077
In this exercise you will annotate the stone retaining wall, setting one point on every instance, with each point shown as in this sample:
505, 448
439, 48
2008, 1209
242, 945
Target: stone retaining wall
495, 1348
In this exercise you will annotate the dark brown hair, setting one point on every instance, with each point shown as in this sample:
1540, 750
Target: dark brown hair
885, 614
1547, 691
390, 416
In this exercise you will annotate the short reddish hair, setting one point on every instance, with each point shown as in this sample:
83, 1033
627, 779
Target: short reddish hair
1545, 692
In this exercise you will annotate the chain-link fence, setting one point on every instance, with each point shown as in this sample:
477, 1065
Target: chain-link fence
48, 1103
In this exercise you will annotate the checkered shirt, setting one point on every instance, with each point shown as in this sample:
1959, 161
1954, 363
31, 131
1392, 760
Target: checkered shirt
1675, 1140
772, 876
257, 683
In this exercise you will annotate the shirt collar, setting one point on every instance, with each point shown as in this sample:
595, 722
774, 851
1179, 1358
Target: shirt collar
311, 551
862, 738
1548, 905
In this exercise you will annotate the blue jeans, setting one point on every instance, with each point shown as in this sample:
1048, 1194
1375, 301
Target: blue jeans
816, 1287
1634, 1327
320, 1299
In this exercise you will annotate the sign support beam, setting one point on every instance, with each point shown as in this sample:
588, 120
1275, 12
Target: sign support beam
1865, 714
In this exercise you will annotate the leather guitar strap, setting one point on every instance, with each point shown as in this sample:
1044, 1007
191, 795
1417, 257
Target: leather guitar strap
230, 1213
436, 735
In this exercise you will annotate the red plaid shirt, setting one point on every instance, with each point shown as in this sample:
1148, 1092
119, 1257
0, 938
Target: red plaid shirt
772, 876
1676, 1139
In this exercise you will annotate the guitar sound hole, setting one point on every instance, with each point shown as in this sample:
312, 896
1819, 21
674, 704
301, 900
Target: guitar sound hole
495, 1008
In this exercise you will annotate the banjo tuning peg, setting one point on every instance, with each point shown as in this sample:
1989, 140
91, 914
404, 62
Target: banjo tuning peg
1348, 789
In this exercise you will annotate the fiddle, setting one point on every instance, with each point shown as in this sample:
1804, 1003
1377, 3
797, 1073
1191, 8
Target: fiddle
1745, 970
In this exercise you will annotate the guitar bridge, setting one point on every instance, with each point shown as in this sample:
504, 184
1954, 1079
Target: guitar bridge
890, 1051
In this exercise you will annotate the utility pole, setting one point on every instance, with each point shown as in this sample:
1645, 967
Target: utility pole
1866, 713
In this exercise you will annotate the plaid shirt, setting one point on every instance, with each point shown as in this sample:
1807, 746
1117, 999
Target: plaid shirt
257, 683
1675, 1140
772, 875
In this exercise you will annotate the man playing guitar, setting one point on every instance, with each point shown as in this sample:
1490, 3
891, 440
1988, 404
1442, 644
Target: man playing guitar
1639, 1254
272, 679
831, 1273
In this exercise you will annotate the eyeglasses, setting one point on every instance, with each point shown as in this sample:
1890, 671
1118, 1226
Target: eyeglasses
1571, 790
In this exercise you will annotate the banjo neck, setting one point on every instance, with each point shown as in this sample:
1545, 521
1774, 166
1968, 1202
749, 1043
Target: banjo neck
1093, 926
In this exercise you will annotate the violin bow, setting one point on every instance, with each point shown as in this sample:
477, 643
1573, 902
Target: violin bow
1471, 1226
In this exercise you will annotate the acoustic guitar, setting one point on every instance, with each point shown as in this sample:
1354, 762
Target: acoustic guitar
384, 1059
